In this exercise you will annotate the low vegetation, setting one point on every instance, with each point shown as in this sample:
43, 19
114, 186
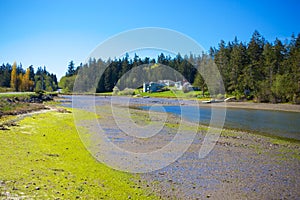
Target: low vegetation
43, 158
18, 103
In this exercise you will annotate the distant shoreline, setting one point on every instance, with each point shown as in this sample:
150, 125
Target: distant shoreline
256, 106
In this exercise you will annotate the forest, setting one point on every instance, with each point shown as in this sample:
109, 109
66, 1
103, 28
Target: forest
258, 70
15, 78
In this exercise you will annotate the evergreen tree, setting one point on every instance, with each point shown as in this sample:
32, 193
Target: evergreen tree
31, 77
71, 69
38, 86
222, 58
238, 60
5, 75
254, 69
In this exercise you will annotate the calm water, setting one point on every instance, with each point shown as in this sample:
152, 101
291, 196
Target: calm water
285, 124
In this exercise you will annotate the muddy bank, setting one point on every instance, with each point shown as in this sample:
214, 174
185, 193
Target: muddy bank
258, 106
14, 108
16, 105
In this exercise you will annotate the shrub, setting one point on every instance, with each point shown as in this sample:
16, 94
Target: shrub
237, 94
206, 94
192, 95
220, 96
116, 90
165, 89
127, 91
296, 99
185, 90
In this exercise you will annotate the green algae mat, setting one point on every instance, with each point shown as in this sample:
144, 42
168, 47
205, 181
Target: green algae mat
44, 158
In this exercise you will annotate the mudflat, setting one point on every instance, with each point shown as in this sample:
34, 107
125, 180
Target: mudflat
242, 165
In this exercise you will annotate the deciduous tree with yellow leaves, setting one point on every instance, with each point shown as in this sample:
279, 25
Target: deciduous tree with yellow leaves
14, 77
26, 82
20, 83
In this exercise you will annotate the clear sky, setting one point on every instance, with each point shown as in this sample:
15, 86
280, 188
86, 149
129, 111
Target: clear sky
53, 32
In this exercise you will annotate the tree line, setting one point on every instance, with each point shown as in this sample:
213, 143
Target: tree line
267, 72
259, 70
88, 79
20, 80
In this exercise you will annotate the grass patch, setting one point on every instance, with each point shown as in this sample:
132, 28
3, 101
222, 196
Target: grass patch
164, 94
173, 94
6, 89
103, 94
17, 107
280, 141
19, 95
44, 158
172, 125
229, 133
292, 153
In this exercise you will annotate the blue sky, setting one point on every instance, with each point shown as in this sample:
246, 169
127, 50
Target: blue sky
53, 32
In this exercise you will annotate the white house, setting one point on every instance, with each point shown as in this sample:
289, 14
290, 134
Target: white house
168, 83
178, 85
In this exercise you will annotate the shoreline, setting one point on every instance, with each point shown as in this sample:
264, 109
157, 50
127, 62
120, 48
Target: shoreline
8, 121
226, 128
238, 105
256, 106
